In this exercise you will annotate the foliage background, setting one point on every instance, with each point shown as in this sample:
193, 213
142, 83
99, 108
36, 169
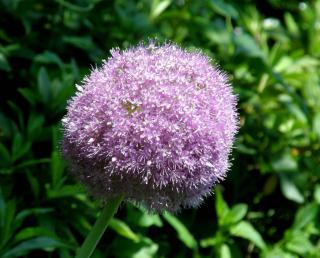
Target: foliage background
269, 206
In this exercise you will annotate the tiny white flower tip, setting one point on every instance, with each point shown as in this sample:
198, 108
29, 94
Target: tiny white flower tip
208, 164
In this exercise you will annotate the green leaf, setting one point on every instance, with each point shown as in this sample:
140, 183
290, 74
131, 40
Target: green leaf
19, 147
5, 157
290, 190
224, 251
147, 220
316, 124
7, 213
4, 64
222, 208
270, 185
34, 184
22, 215
32, 162
247, 231
235, 214
145, 248
317, 194
57, 169
31, 232
48, 57
217, 36
76, 8
6, 129
158, 7
183, 233
284, 163
29, 95
283, 64
292, 26
244, 149
85, 43
299, 244
75, 69
35, 125
147, 251
302, 63
123, 229
140, 217
224, 8
18, 112
305, 215
278, 253
44, 85
11, 5
42, 243
64, 191
247, 46
207, 242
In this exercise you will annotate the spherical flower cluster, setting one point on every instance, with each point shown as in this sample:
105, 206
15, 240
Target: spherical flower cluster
155, 123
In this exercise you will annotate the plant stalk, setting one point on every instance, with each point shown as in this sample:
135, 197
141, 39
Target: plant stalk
99, 227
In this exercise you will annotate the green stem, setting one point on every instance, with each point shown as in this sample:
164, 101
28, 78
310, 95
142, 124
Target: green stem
99, 227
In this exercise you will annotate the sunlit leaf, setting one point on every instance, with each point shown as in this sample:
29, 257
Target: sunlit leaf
183, 233
158, 7
247, 231
235, 214
225, 251
221, 206
123, 229
305, 215
290, 190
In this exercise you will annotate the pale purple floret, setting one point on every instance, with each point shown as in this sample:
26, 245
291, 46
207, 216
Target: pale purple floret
155, 123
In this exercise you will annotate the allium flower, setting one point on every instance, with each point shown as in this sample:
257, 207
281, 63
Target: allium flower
155, 123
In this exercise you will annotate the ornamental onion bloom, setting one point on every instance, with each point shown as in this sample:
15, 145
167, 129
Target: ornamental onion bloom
155, 123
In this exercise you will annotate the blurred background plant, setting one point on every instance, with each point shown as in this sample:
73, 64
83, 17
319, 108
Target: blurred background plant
269, 206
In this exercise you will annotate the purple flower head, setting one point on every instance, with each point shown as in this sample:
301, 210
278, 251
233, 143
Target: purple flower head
155, 123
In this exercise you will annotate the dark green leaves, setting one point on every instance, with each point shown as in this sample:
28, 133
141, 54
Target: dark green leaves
44, 85
48, 57
269, 206
44, 243
4, 64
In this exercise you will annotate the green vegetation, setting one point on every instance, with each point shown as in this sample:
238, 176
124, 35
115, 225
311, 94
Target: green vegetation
269, 206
